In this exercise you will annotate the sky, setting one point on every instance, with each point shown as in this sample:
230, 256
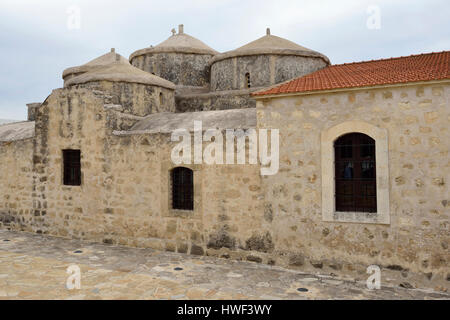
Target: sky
39, 39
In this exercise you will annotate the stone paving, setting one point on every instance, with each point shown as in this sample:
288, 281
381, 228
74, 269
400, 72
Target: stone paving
34, 267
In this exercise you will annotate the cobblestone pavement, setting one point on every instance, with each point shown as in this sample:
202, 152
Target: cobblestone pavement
34, 267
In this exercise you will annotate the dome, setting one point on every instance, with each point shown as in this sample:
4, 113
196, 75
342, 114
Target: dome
273, 45
101, 61
178, 43
120, 70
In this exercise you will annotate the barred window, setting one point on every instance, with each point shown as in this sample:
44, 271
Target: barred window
182, 188
72, 167
247, 80
355, 175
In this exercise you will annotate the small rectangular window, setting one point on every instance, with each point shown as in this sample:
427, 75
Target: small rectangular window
72, 167
182, 188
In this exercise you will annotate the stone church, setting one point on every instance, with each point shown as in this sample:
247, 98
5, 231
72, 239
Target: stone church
364, 167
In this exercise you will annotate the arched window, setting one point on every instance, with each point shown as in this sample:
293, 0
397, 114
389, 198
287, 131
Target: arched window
355, 176
182, 188
247, 80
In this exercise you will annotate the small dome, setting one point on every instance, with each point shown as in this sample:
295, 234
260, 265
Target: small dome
120, 70
101, 61
178, 42
270, 44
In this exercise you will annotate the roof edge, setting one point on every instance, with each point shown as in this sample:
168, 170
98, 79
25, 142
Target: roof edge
269, 51
187, 50
79, 69
138, 76
257, 96
92, 78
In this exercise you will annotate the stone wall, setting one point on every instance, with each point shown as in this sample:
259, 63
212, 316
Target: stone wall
264, 70
69, 119
32, 110
189, 69
417, 122
16, 176
136, 99
235, 99
139, 194
125, 186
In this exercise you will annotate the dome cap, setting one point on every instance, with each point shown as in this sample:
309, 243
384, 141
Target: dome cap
101, 61
178, 43
272, 45
120, 70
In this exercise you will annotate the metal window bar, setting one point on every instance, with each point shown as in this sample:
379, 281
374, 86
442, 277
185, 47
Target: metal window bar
355, 176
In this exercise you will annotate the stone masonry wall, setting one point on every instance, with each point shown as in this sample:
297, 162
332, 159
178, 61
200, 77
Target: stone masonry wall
16, 176
69, 119
124, 197
186, 69
136, 99
125, 193
227, 211
417, 239
235, 99
264, 70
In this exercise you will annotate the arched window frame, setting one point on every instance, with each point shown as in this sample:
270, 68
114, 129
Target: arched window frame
329, 213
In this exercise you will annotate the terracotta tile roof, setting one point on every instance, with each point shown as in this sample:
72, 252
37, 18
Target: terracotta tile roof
423, 67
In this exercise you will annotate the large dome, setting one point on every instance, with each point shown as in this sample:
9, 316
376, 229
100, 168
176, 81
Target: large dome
139, 93
181, 59
119, 72
178, 43
99, 62
264, 62
272, 45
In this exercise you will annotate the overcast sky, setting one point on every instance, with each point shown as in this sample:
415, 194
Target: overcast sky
37, 44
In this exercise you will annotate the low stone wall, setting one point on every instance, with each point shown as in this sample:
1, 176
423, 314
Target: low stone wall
235, 99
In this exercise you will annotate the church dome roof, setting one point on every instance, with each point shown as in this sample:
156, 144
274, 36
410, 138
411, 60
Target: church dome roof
178, 42
120, 70
101, 61
270, 44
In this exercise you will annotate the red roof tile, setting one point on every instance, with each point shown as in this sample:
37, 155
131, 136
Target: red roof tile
423, 67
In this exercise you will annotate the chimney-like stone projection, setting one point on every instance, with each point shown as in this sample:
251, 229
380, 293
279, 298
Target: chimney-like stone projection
32, 110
